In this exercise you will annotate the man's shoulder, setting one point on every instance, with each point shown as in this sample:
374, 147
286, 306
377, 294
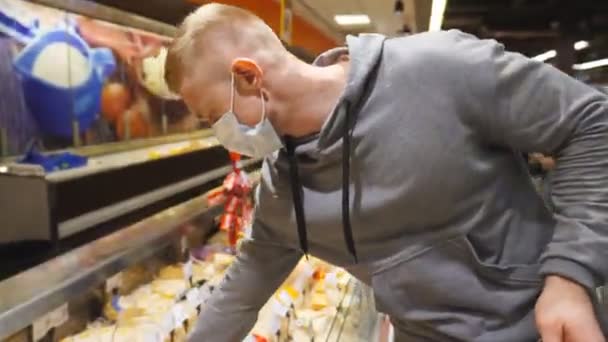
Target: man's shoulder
441, 46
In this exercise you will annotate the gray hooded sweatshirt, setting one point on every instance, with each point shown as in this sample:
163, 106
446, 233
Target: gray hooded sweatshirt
447, 227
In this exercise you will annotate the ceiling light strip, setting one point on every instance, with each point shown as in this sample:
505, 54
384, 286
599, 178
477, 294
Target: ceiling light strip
545, 56
580, 45
437, 12
591, 65
352, 19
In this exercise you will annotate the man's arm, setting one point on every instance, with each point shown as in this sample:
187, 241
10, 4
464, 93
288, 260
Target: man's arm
532, 107
232, 310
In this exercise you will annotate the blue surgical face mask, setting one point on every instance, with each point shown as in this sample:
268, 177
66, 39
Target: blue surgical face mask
258, 141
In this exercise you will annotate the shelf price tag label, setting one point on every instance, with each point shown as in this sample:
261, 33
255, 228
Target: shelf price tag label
179, 315
331, 280
193, 296
204, 293
188, 270
285, 298
53, 319
168, 324
279, 308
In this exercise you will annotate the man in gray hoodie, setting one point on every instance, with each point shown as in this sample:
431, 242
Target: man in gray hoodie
400, 160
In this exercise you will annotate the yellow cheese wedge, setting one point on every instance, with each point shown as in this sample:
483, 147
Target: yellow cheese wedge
172, 272
318, 301
223, 260
170, 288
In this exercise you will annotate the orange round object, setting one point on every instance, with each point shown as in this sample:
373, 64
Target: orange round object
319, 273
234, 156
138, 125
115, 100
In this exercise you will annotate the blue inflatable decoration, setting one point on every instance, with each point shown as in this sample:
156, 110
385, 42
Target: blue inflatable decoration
53, 105
76, 96
53, 162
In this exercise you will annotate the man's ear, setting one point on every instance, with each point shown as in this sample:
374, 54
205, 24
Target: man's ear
248, 75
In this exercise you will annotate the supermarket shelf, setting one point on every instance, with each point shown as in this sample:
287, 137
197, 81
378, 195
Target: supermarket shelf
126, 145
77, 224
31, 294
102, 12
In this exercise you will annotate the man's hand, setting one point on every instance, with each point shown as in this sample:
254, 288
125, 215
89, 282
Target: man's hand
547, 163
564, 313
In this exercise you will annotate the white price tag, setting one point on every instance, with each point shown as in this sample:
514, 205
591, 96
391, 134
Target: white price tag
278, 308
275, 324
188, 270
331, 280
308, 270
285, 298
114, 282
179, 315
204, 293
304, 277
53, 319
168, 324
193, 296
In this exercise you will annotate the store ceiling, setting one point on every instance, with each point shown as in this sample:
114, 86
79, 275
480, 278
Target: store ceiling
530, 26
527, 26
536, 26
383, 19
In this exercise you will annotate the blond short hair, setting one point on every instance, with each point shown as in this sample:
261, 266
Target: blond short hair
212, 23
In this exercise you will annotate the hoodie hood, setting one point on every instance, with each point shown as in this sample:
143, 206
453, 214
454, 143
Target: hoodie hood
337, 131
364, 52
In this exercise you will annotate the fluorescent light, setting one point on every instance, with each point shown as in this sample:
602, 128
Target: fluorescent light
591, 65
437, 12
545, 56
581, 45
352, 19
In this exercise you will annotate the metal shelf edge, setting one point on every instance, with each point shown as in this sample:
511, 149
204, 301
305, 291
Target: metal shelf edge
31, 294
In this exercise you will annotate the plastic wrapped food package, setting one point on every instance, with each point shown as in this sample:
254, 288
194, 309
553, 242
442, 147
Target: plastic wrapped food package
304, 308
170, 288
222, 260
165, 309
203, 271
127, 333
171, 272
309, 306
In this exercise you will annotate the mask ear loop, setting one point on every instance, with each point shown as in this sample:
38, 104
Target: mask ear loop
232, 90
263, 107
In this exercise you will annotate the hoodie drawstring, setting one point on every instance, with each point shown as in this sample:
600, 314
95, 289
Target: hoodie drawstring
346, 155
297, 191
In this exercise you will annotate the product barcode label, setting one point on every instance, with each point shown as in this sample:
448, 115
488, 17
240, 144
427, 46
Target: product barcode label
188, 270
285, 298
204, 293
193, 296
179, 315
279, 308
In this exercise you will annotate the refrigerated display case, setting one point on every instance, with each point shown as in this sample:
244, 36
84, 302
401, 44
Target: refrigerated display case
77, 292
